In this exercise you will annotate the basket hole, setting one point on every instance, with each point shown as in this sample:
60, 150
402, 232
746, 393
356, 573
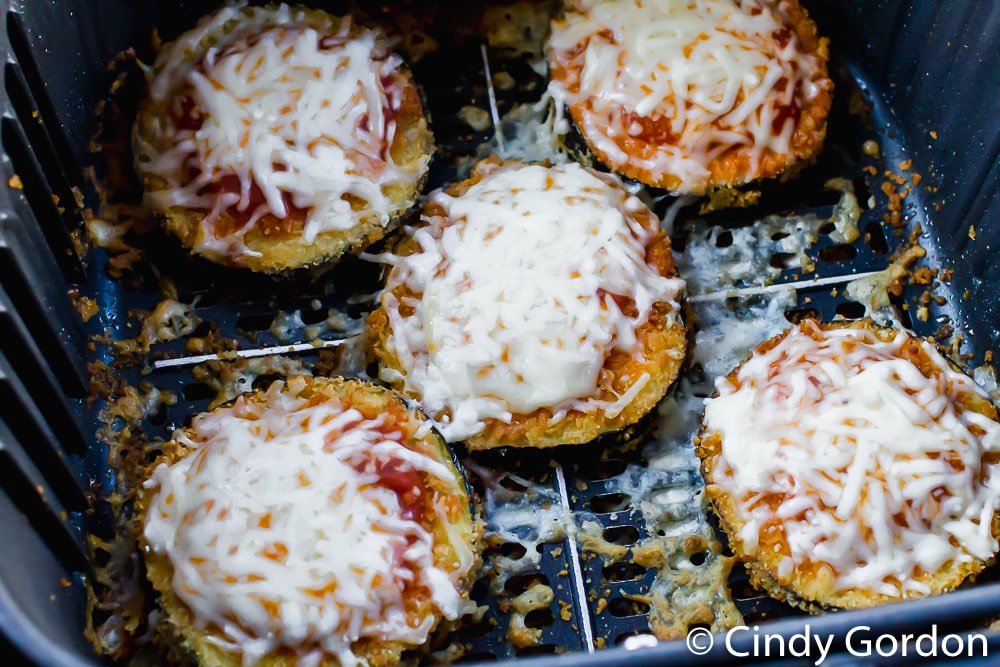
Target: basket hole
727, 549
861, 191
522, 582
202, 330
483, 626
357, 310
480, 590
822, 197
197, 391
539, 618
850, 310
261, 322
626, 607
264, 381
610, 502
621, 535
512, 550
101, 557
784, 260
624, 572
797, 315
876, 238
698, 558
313, 316
842, 252
204, 299
777, 236
827, 228
541, 649
724, 239
602, 470
698, 626
158, 416
741, 589
470, 658
902, 314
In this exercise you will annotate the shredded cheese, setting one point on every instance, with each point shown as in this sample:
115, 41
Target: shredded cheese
708, 76
298, 110
515, 307
881, 471
281, 532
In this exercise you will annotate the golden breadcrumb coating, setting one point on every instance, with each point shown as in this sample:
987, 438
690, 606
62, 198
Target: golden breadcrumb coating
661, 344
810, 585
273, 244
177, 626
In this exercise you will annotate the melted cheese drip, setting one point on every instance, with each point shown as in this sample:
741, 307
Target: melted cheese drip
880, 467
296, 109
514, 310
280, 533
712, 69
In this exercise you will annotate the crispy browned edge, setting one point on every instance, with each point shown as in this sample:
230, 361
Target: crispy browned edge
733, 168
663, 347
806, 590
177, 628
412, 145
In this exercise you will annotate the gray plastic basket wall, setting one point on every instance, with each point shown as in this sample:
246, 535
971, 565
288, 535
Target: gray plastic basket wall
920, 79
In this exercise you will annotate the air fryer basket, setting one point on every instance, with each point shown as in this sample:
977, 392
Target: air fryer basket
611, 548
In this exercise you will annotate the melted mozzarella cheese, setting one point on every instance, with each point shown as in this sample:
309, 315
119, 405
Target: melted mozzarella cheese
714, 72
300, 112
281, 534
515, 309
883, 472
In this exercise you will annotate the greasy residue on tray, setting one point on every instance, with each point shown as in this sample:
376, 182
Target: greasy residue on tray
651, 560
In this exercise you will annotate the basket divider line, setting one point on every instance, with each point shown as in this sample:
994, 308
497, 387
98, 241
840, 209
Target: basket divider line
777, 287
574, 562
491, 93
259, 352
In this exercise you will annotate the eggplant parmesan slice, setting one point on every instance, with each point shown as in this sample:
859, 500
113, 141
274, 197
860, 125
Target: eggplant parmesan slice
852, 465
280, 137
687, 96
319, 522
532, 306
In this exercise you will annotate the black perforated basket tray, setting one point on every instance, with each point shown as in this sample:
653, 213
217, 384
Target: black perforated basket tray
920, 79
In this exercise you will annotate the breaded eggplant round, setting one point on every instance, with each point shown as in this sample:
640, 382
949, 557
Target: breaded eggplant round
280, 137
689, 96
533, 306
319, 522
852, 465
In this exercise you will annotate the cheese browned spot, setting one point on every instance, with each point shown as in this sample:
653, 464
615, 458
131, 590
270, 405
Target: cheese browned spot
273, 137
689, 95
853, 466
532, 296
322, 521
